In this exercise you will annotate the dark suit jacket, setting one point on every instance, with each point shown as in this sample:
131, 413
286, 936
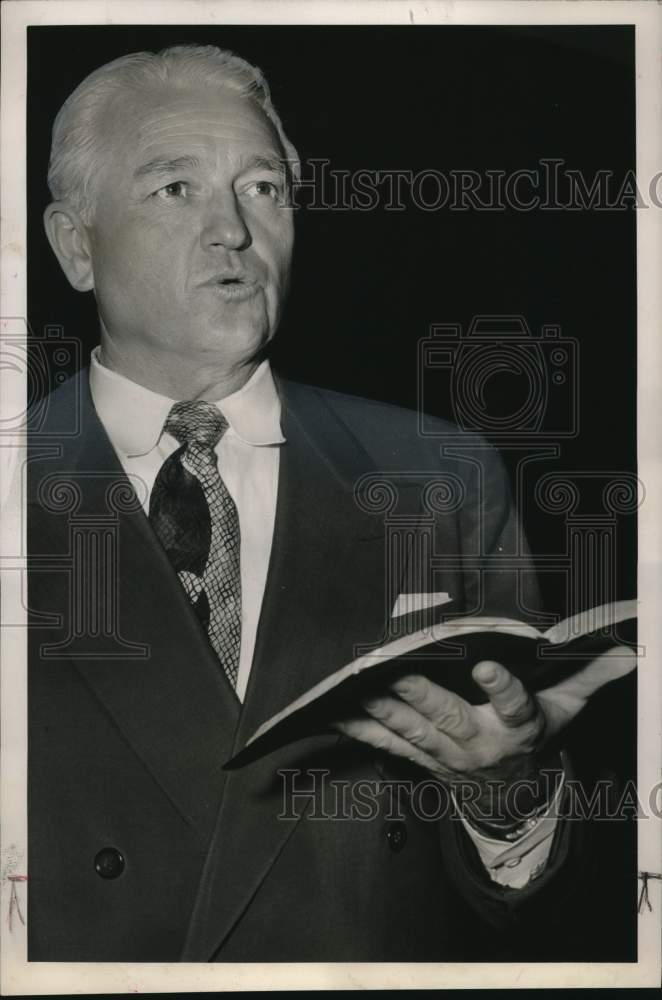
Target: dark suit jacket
131, 719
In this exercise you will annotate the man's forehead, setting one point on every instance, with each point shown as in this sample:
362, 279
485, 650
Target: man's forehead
154, 119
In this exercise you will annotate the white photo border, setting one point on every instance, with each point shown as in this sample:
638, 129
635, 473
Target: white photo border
18, 977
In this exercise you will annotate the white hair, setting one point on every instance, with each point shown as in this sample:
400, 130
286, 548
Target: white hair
77, 143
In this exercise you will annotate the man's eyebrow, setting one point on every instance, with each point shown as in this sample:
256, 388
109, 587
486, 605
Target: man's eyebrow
272, 163
161, 166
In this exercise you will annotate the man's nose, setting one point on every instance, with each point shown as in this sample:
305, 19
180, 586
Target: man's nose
224, 226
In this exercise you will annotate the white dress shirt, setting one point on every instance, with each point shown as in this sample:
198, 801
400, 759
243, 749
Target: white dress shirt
248, 461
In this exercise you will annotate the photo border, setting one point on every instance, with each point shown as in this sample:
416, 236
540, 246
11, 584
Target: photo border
17, 975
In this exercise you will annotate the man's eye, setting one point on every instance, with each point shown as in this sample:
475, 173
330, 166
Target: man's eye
170, 192
263, 189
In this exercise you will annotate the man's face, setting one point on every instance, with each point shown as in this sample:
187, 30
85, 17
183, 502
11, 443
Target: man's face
191, 241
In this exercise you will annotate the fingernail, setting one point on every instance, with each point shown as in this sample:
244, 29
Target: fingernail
487, 673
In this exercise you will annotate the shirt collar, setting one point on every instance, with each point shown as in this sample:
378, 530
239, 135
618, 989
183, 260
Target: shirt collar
133, 416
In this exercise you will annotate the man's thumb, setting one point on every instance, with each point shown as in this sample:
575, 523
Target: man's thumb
609, 666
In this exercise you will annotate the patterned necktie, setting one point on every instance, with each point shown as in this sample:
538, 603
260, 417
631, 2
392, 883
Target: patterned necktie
196, 521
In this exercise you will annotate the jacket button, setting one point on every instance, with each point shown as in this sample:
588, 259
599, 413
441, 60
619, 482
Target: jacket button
109, 863
396, 834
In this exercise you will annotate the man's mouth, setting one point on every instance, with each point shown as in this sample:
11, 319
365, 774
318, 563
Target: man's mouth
231, 287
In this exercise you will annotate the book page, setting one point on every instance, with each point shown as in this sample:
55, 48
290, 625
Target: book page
591, 620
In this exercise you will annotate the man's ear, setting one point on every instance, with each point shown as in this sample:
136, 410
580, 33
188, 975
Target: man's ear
70, 242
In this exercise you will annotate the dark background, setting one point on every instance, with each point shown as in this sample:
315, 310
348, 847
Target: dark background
368, 285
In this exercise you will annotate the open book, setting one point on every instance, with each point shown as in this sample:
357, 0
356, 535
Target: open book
446, 653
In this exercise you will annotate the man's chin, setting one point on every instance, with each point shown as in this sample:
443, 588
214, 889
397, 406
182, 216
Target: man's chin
228, 345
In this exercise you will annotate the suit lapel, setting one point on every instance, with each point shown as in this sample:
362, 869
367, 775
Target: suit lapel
173, 704
324, 595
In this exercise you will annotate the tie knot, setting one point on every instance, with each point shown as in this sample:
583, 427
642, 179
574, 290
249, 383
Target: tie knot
196, 422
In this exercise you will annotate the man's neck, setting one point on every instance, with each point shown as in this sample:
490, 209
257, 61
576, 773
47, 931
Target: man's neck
187, 379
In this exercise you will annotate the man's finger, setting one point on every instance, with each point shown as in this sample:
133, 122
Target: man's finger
508, 696
375, 734
609, 666
447, 712
407, 723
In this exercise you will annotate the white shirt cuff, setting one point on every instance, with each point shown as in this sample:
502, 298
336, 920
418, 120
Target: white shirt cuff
516, 863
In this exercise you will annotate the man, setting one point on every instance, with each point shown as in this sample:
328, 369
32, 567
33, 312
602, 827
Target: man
243, 560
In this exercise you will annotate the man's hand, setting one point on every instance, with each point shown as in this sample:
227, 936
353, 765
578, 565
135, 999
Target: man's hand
455, 740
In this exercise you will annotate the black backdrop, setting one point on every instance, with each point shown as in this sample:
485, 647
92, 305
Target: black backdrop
367, 285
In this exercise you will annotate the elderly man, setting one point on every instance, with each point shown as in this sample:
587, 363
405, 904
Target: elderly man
233, 566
